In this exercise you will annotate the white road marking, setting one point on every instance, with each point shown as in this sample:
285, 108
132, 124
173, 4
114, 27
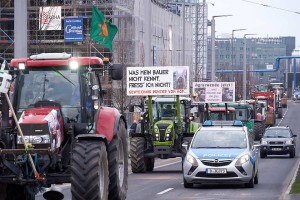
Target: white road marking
165, 191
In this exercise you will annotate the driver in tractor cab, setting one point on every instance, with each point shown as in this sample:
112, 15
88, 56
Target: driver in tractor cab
168, 112
60, 90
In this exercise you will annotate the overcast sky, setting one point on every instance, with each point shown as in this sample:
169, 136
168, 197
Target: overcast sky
263, 21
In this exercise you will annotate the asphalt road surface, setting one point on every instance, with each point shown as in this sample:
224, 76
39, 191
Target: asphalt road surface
165, 182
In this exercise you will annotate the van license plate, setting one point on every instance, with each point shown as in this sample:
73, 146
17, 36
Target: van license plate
277, 149
216, 171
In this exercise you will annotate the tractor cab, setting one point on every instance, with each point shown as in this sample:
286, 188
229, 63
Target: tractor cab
217, 114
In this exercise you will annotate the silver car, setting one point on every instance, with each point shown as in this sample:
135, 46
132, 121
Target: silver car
221, 152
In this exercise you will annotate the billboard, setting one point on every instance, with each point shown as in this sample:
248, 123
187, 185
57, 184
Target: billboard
73, 29
166, 80
50, 18
213, 92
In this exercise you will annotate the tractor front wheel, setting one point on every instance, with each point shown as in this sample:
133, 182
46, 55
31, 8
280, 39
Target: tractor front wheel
138, 163
118, 164
89, 171
150, 164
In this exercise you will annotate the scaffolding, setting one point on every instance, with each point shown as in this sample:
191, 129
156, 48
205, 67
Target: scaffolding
41, 41
196, 13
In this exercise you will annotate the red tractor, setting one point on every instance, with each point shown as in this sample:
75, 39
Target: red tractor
71, 136
272, 103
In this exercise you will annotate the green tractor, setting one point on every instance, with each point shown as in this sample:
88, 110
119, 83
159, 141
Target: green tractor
165, 126
243, 113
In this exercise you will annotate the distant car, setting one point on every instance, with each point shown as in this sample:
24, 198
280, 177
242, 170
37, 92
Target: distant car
296, 96
277, 141
221, 152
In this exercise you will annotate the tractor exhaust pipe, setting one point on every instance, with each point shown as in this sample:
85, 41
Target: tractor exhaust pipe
53, 193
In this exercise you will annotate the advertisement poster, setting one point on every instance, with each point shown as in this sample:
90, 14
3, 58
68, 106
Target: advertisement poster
214, 92
50, 18
166, 80
73, 29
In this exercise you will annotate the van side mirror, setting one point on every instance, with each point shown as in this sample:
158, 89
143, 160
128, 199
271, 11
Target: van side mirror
117, 72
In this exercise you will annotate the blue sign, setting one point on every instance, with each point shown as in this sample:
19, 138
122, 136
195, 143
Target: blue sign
73, 29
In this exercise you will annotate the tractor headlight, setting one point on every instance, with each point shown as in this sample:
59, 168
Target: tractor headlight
155, 129
74, 65
21, 65
169, 130
191, 159
36, 139
243, 159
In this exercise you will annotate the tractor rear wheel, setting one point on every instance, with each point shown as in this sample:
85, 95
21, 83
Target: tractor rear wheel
138, 163
118, 164
259, 129
89, 171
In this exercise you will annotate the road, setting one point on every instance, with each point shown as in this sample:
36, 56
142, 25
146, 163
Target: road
165, 182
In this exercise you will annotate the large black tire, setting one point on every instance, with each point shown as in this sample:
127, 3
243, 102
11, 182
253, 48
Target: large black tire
258, 129
89, 171
279, 114
138, 163
14, 192
292, 154
263, 155
150, 164
251, 182
118, 164
256, 178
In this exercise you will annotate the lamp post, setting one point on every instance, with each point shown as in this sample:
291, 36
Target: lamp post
244, 66
213, 47
232, 50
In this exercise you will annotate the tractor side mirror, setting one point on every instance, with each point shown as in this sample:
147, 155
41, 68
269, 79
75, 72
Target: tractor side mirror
117, 72
131, 108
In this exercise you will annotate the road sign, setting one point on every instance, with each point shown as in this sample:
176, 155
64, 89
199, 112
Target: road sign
73, 31
166, 80
213, 92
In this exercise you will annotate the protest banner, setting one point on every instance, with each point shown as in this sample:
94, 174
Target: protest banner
166, 80
213, 92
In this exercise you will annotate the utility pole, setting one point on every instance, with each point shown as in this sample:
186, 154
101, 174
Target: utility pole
148, 32
213, 47
183, 33
232, 51
245, 67
20, 29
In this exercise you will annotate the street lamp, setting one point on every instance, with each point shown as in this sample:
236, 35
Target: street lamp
213, 47
232, 50
245, 67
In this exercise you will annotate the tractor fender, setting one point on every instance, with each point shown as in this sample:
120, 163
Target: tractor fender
108, 122
91, 137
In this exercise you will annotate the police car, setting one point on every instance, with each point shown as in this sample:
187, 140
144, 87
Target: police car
221, 152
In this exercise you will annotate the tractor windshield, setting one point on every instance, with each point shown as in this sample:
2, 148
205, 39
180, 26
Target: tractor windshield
242, 114
167, 111
57, 84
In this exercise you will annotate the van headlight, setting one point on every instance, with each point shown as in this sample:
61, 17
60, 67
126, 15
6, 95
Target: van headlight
191, 159
243, 159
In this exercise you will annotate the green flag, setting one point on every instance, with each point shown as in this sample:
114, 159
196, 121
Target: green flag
103, 31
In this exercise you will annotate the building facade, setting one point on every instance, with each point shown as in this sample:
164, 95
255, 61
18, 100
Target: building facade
261, 53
